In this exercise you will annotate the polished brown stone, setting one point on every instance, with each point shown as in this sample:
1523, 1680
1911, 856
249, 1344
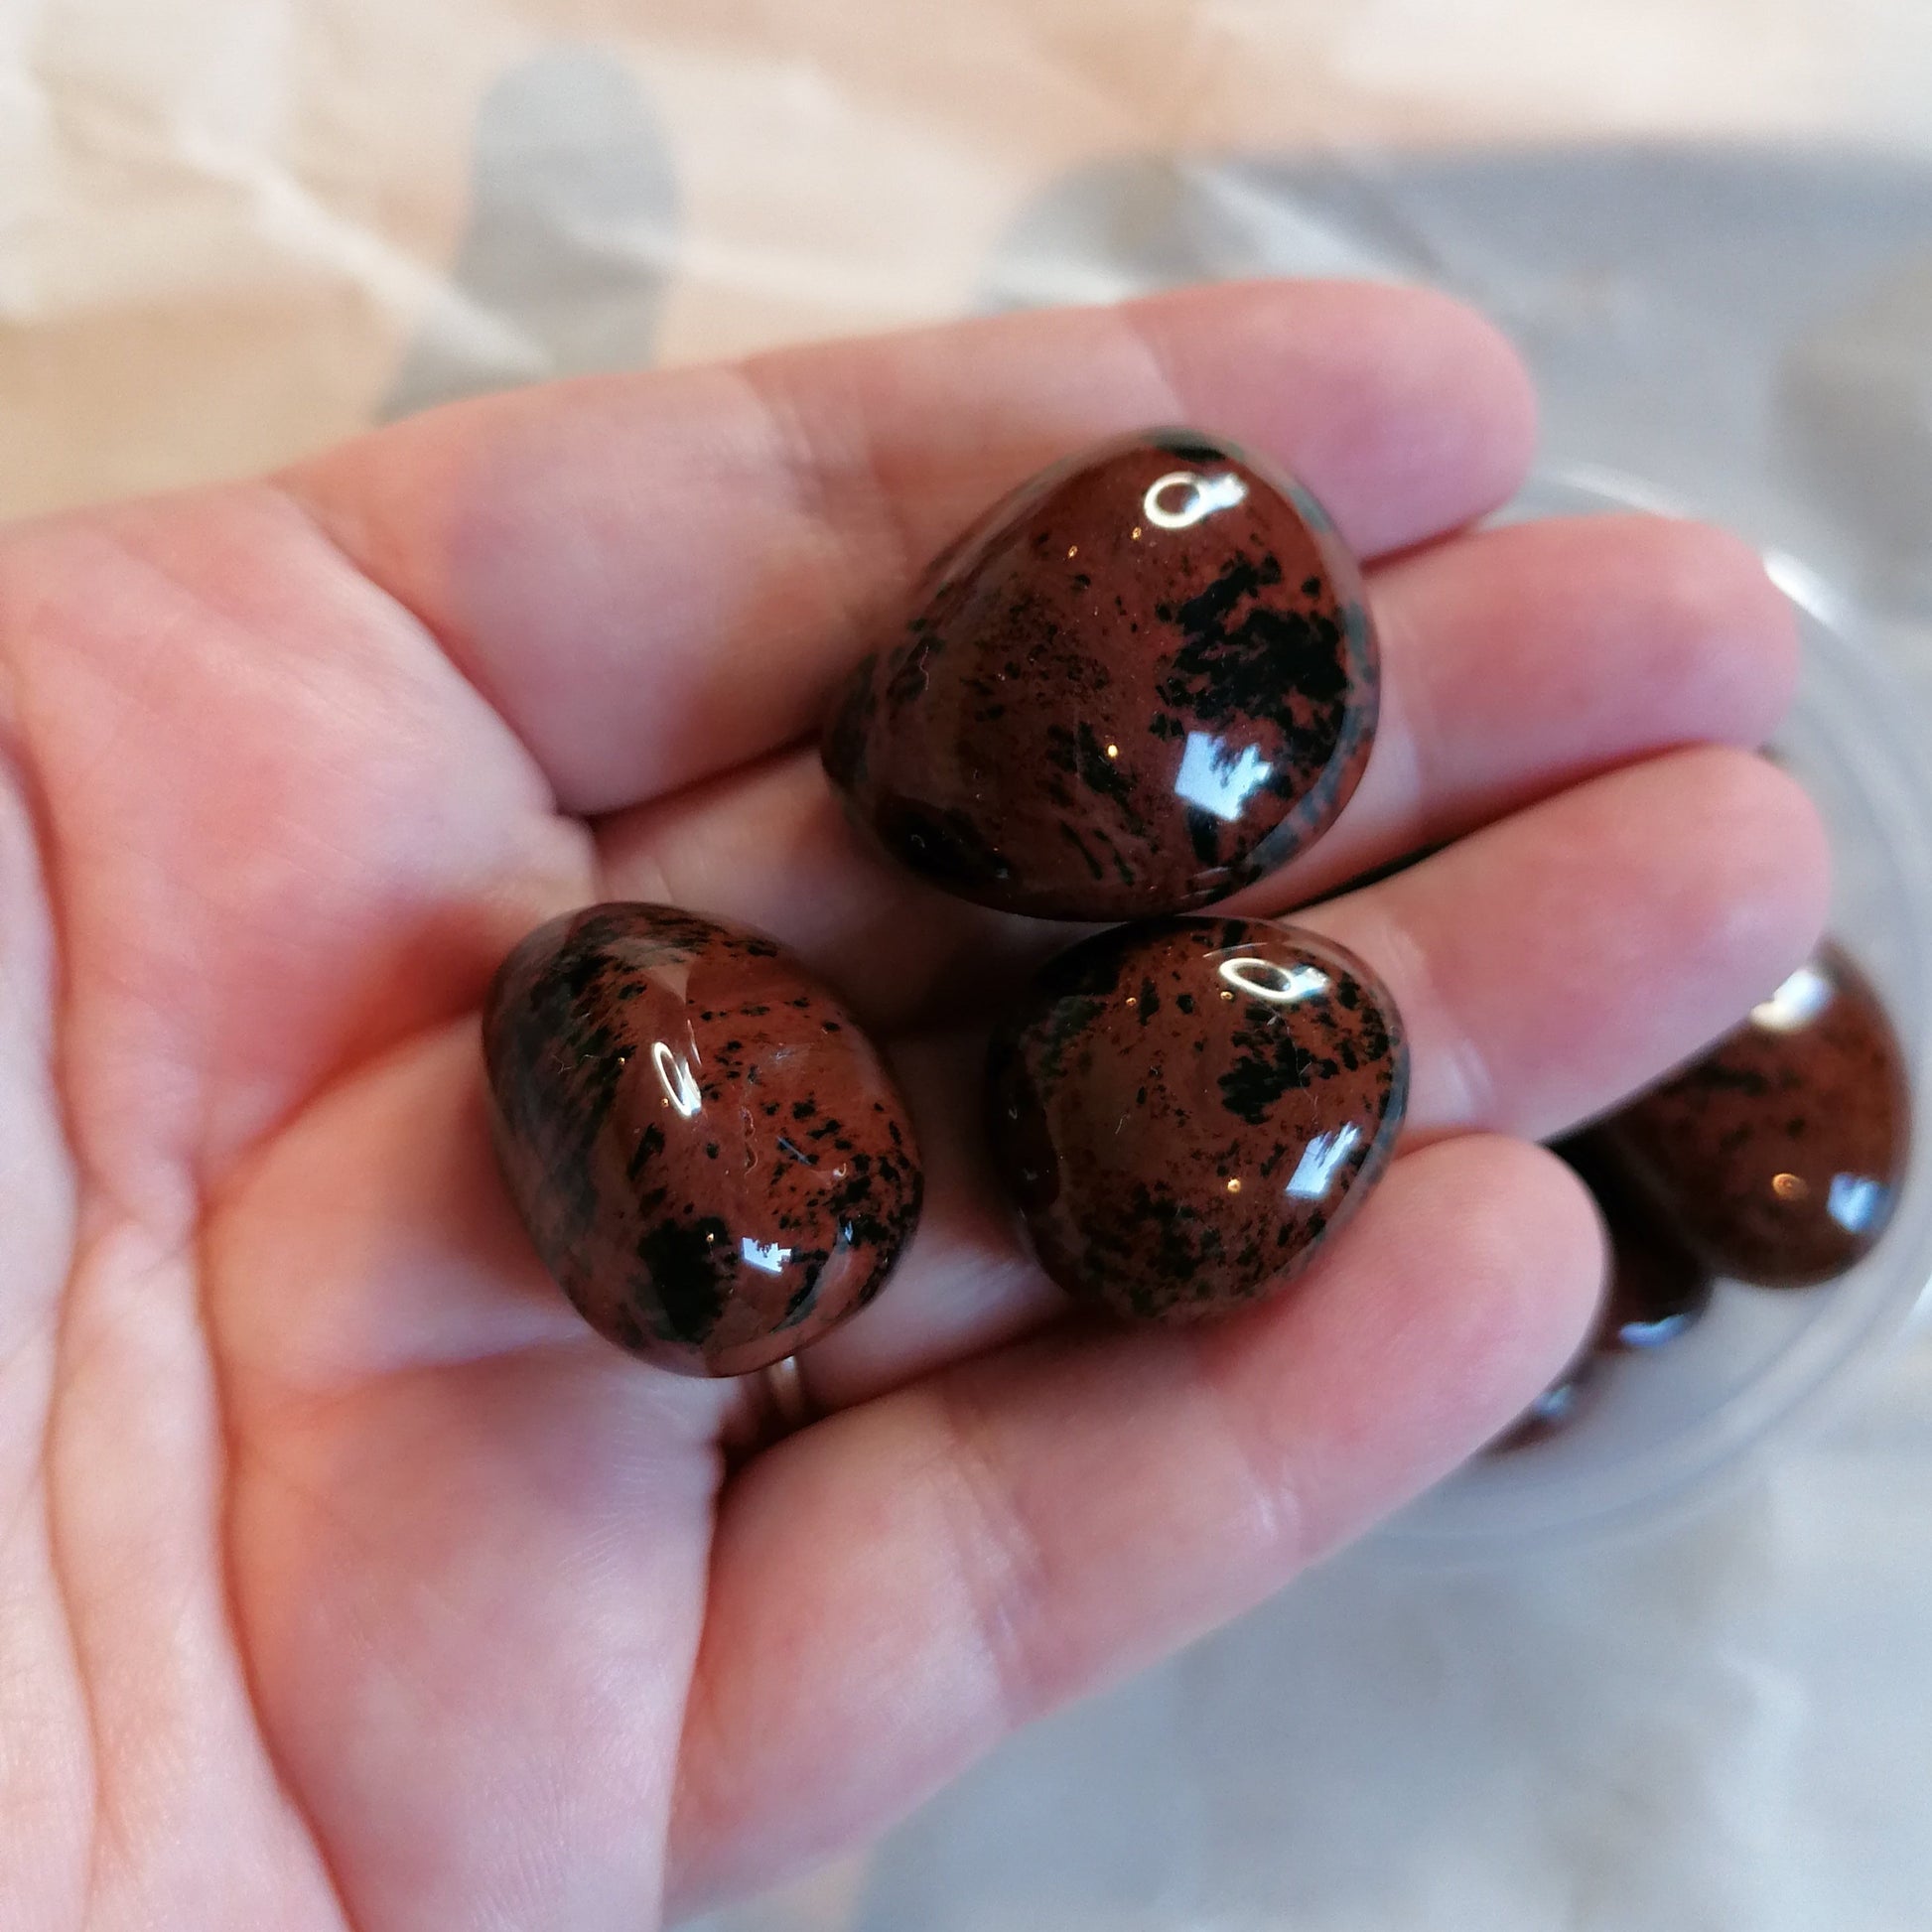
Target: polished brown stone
1185, 1112
1657, 1287
1655, 1290
706, 1150
1143, 680
1776, 1158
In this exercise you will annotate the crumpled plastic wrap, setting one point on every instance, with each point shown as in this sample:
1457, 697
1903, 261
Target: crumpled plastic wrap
231, 231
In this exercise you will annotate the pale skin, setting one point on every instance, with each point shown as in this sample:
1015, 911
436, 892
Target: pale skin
347, 1581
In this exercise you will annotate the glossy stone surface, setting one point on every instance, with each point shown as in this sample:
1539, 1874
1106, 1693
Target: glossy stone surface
1185, 1112
1144, 679
707, 1151
1657, 1287
1656, 1290
1776, 1158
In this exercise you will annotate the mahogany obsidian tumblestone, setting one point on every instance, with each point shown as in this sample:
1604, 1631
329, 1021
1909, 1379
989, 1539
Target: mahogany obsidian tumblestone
1183, 1112
1776, 1158
1142, 680
1656, 1290
707, 1151
1657, 1287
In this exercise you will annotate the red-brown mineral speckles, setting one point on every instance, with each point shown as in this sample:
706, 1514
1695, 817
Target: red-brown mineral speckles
1184, 1112
1144, 679
707, 1151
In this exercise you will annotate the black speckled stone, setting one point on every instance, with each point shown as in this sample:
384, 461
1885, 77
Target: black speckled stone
1185, 1112
706, 1150
1143, 680
1776, 1158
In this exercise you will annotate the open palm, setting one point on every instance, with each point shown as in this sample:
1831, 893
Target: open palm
346, 1577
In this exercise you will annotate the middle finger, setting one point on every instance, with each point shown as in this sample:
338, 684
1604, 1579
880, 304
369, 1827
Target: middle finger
1515, 662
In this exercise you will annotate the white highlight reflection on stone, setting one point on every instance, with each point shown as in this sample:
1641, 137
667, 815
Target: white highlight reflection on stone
1855, 1202
1796, 1004
1215, 783
676, 1078
1263, 979
1204, 496
1315, 1169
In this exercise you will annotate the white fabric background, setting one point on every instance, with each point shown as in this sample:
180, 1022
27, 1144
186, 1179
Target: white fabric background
232, 229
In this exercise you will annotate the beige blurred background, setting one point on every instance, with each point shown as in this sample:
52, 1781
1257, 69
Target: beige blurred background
226, 225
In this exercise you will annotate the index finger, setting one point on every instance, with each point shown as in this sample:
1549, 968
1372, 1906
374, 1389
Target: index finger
656, 577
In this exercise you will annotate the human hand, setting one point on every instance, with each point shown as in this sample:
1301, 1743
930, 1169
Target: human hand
348, 1579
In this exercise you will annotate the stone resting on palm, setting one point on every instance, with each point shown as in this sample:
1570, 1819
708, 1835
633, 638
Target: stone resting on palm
348, 1579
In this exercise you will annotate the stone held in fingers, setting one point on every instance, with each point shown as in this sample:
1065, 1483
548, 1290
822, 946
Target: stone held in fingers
1776, 1158
708, 1155
1185, 1113
1144, 679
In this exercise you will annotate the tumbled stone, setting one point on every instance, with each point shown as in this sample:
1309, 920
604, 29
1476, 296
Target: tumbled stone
1656, 1287
1143, 680
1185, 1112
1655, 1290
1776, 1158
707, 1151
